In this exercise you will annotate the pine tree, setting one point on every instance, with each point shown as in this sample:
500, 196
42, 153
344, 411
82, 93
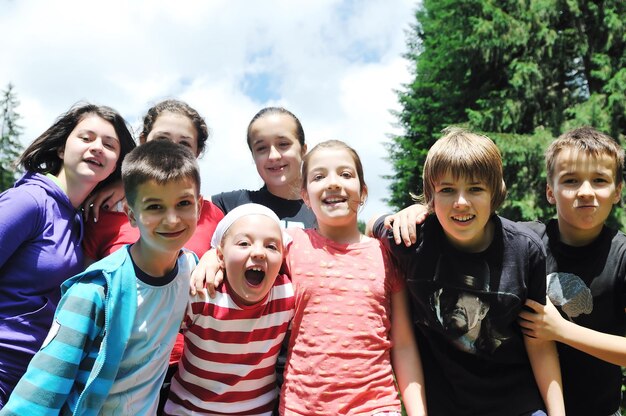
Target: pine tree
10, 131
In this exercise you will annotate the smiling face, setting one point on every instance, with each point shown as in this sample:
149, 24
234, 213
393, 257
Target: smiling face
91, 152
166, 214
584, 191
333, 190
463, 208
251, 253
277, 153
177, 128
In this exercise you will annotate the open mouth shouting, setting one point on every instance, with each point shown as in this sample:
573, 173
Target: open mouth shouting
254, 276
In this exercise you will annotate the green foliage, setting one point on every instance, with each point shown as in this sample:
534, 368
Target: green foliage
521, 72
10, 131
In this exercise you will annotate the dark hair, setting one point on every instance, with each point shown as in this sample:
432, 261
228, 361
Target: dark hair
42, 156
159, 160
334, 144
592, 143
276, 110
176, 107
464, 154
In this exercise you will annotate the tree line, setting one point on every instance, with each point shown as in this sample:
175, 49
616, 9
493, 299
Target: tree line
520, 71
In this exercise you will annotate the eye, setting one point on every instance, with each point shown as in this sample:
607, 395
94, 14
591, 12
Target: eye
601, 180
260, 149
476, 189
185, 203
185, 143
317, 177
153, 207
243, 243
570, 181
272, 246
347, 175
445, 190
284, 145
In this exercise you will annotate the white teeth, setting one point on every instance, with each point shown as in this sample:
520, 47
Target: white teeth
463, 218
256, 269
334, 200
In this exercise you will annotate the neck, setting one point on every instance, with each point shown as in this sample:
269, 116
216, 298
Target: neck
76, 192
286, 191
343, 234
155, 264
576, 237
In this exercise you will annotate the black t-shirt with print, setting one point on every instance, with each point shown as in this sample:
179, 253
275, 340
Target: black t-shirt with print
587, 284
473, 369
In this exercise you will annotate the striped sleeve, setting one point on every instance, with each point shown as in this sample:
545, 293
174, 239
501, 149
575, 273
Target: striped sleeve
60, 367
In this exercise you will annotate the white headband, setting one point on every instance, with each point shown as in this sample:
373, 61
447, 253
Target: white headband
242, 211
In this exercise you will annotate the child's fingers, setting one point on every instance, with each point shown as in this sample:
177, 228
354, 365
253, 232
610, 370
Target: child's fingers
534, 305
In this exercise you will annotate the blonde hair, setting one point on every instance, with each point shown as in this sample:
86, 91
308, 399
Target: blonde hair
464, 154
590, 142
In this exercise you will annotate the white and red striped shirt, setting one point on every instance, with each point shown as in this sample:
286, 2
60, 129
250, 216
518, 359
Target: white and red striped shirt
229, 359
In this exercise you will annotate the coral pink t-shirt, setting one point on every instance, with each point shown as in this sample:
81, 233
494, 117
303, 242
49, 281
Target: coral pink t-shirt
339, 359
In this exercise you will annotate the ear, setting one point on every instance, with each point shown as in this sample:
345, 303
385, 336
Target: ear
61, 152
220, 257
550, 194
305, 197
618, 193
200, 204
364, 195
303, 150
131, 215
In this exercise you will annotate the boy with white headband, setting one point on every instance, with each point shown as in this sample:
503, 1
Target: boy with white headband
232, 341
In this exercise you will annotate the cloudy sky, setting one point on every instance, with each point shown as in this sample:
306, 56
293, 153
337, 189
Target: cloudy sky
335, 64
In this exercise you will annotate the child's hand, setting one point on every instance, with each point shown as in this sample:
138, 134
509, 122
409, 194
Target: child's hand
207, 273
404, 223
544, 322
105, 199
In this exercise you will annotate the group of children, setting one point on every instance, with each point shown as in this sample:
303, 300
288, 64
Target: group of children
456, 320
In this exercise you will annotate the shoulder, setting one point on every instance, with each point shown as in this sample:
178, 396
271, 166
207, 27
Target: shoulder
24, 200
226, 201
537, 227
517, 236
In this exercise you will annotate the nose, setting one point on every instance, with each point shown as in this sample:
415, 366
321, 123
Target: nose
461, 200
332, 181
97, 145
274, 153
258, 251
171, 216
585, 189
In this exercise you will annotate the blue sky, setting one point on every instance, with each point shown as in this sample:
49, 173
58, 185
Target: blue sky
333, 63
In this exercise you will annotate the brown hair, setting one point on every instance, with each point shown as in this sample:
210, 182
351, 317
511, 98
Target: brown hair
334, 144
589, 141
175, 107
464, 154
276, 110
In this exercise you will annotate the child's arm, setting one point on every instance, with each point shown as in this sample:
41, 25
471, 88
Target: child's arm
403, 223
547, 323
406, 361
207, 273
106, 198
51, 374
545, 364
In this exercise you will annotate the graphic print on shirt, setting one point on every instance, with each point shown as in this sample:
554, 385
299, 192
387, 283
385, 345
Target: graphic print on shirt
568, 292
465, 309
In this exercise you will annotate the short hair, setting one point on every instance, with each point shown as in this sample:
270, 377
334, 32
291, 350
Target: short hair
276, 110
159, 160
589, 141
464, 154
42, 155
334, 144
175, 107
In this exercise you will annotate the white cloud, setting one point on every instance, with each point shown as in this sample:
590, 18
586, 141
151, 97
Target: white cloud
333, 63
